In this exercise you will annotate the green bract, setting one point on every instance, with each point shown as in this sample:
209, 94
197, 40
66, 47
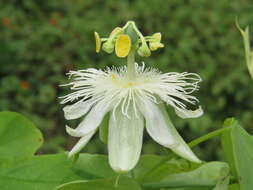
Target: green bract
248, 51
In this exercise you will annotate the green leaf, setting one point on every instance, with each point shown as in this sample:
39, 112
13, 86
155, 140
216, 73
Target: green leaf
103, 129
190, 188
92, 166
227, 143
20, 169
222, 184
234, 187
121, 183
147, 165
19, 138
153, 168
166, 172
40, 173
49, 171
237, 145
207, 175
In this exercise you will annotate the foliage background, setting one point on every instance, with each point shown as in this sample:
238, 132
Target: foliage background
42, 40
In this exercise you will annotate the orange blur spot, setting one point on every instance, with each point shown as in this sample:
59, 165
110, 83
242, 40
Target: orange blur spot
24, 85
6, 21
53, 21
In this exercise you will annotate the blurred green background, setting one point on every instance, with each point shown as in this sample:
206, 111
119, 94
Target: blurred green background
42, 40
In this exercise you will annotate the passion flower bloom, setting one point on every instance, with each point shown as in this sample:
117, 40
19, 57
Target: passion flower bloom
134, 103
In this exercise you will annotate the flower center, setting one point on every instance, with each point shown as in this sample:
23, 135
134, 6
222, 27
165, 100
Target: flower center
123, 81
129, 84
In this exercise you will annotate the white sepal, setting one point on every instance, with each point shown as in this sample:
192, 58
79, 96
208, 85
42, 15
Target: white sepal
184, 113
91, 120
76, 110
81, 143
125, 140
162, 130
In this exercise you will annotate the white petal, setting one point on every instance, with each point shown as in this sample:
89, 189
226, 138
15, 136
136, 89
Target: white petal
73, 132
125, 140
81, 143
91, 120
76, 110
183, 113
162, 130
156, 125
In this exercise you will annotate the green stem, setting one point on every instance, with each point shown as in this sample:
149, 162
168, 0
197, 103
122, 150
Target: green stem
208, 136
117, 181
131, 64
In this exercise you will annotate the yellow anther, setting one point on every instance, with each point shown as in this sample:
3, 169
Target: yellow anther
157, 36
156, 42
155, 45
98, 42
123, 45
113, 76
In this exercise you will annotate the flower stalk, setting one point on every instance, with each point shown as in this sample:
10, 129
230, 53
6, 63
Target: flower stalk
131, 71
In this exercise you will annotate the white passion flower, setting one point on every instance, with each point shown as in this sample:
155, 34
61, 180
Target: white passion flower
132, 104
